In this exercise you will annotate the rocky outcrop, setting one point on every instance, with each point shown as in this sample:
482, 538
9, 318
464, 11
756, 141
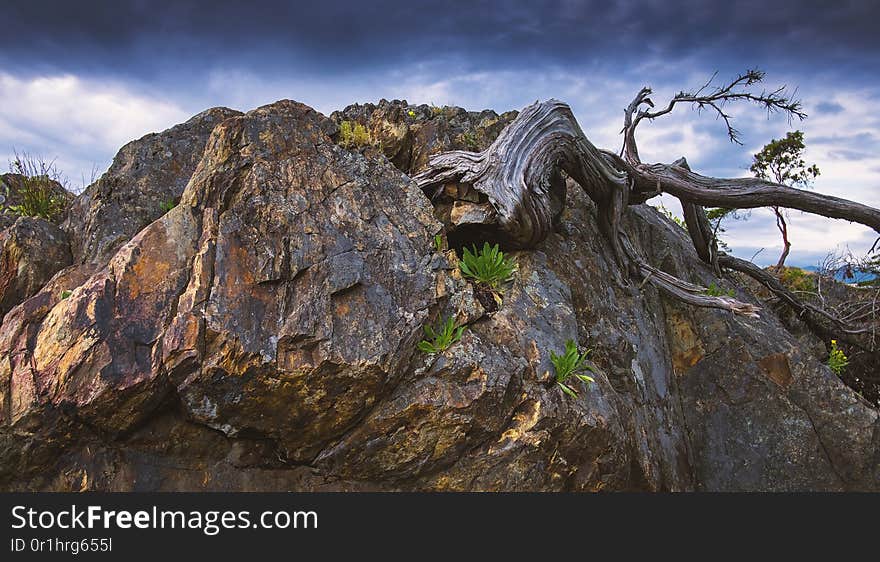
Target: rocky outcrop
409, 134
147, 177
32, 250
262, 336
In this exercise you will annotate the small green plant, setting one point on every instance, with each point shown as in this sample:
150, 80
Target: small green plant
411, 113
714, 290
168, 205
440, 340
488, 266
572, 363
438, 242
435, 110
65, 294
470, 141
837, 360
37, 195
662, 208
38, 200
353, 135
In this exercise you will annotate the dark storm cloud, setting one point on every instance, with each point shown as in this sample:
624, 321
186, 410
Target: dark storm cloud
161, 36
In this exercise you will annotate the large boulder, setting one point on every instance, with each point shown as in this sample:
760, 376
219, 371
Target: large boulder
146, 178
32, 250
32, 247
262, 335
408, 135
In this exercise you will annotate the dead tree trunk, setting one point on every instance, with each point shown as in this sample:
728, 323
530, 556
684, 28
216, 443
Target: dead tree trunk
516, 173
519, 174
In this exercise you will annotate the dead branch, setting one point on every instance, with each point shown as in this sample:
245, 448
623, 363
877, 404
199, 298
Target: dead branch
749, 193
519, 174
708, 97
817, 318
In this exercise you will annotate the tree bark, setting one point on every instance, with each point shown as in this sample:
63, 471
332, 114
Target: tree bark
748, 193
519, 175
516, 172
786, 245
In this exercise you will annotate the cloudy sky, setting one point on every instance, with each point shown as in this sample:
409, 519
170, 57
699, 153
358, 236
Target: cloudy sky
80, 79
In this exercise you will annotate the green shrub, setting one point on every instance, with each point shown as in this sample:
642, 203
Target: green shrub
714, 290
488, 266
168, 205
470, 141
669, 214
438, 242
411, 113
65, 294
37, 189
798, 280
440, 340
837, 360
353, 135
38, 200
572, 363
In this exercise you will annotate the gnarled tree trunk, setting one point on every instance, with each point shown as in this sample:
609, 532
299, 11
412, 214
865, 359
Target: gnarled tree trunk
519, 174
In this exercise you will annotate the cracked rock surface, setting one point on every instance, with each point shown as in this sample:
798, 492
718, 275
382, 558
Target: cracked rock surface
262, 336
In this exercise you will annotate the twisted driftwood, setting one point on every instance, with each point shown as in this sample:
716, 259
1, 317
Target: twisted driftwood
520, 175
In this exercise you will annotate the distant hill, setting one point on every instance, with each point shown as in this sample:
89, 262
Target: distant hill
858, 275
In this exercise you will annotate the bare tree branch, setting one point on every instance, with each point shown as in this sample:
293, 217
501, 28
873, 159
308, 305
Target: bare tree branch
813, 315
708, 97
748, 193
519, 174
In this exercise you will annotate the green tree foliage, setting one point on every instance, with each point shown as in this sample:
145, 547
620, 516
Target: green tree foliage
782, 161
797, 280
717, 216
714, 290
871, 265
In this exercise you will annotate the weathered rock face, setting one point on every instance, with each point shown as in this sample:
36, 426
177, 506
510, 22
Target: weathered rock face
761, 410
147, 176
262, 336
32, 250
861, 373
409, 134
